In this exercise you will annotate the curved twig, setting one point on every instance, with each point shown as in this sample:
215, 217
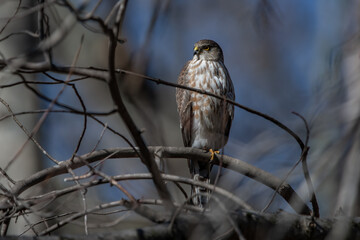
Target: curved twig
306, 169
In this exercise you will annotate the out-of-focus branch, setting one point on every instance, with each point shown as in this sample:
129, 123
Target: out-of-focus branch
11, 18
253, 225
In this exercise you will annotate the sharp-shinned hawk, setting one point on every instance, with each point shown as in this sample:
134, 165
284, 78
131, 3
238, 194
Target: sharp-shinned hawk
204, 121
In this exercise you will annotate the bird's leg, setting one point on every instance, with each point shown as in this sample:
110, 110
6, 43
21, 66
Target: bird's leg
202, 194
197, 199
213, 154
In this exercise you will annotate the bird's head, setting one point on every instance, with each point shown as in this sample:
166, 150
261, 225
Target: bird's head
208, 50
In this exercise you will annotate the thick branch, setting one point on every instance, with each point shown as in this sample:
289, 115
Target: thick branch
145, 155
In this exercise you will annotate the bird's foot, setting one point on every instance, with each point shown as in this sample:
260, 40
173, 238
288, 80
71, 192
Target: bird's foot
213, 154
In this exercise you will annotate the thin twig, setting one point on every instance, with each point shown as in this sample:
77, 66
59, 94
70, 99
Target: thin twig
101, 74
11, 18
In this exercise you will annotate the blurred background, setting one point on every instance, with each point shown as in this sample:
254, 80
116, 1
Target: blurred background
283, 56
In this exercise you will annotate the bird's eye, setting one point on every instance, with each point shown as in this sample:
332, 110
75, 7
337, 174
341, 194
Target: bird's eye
206, 48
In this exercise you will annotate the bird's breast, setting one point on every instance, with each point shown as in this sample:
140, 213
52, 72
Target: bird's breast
208, 112
209, 76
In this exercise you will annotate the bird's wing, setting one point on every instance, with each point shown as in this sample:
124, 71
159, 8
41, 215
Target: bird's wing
184, 106
230, 94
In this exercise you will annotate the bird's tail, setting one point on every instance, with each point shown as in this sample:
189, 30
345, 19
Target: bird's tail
200, 171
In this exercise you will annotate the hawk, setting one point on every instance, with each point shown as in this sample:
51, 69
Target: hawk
205, 121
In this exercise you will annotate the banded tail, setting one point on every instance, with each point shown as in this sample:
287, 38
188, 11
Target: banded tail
200, 171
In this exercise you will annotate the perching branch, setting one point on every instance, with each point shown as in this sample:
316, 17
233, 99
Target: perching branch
237, 165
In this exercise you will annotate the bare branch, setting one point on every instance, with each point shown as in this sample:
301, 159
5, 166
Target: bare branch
171, 152
145, 155
101, 74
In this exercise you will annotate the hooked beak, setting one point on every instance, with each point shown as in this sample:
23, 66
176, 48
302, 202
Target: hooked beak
196, 50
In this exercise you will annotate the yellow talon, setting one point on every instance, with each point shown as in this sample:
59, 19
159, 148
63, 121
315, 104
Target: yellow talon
213, 154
